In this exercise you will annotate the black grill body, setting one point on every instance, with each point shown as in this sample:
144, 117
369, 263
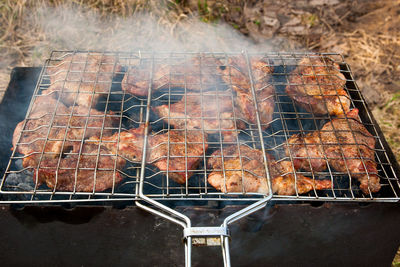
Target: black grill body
337, 234
283, 234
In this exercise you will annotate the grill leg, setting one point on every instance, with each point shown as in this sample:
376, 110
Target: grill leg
188, 252
224, 241
225, 251
206, 236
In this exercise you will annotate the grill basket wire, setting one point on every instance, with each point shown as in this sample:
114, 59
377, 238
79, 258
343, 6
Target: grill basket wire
153, 206
157, 183
101, 87
296, 120
117, 100
130, 111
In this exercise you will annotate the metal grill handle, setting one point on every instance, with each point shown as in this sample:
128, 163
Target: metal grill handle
202, 235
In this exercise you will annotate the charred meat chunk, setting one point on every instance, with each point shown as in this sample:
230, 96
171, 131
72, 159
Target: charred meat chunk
317, 86
30, 134
351, 149
346, 145
202, 73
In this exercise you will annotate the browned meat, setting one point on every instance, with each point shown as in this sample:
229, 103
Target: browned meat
128, 144
68, 123
317, 86
86, 122
284, 180
236, 75
210, 112
36, 129
81, 77
243, 174
247, 173
347, 145
199, 73
356, 150
174, 154
181, 154
82, 172
250, 180
195, 74
306, 151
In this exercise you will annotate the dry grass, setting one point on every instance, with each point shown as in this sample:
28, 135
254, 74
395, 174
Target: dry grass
25, 40
375, 58
388, 117
371, 46
374, 48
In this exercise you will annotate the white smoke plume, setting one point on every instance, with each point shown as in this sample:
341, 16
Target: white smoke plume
66, 28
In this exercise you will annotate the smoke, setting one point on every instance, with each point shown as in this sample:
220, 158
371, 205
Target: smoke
67, 28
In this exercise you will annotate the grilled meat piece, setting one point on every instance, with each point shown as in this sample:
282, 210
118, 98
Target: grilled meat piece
317, 86
81, 77
86, 170
85, 122
243, 174
348, 147
284, 180
210, 111
177, 153
170, 151
355, 154
306, 152
44, 133
31, 137
250, 180
128, 144
247, 173
195, 74
236, 74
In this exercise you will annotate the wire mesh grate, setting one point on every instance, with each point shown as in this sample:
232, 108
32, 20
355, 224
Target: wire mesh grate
215, 125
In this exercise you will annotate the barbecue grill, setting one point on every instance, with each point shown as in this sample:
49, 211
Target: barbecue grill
151, 188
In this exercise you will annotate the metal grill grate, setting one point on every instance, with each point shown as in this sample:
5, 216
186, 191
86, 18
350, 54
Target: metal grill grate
296, 120
191, 116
